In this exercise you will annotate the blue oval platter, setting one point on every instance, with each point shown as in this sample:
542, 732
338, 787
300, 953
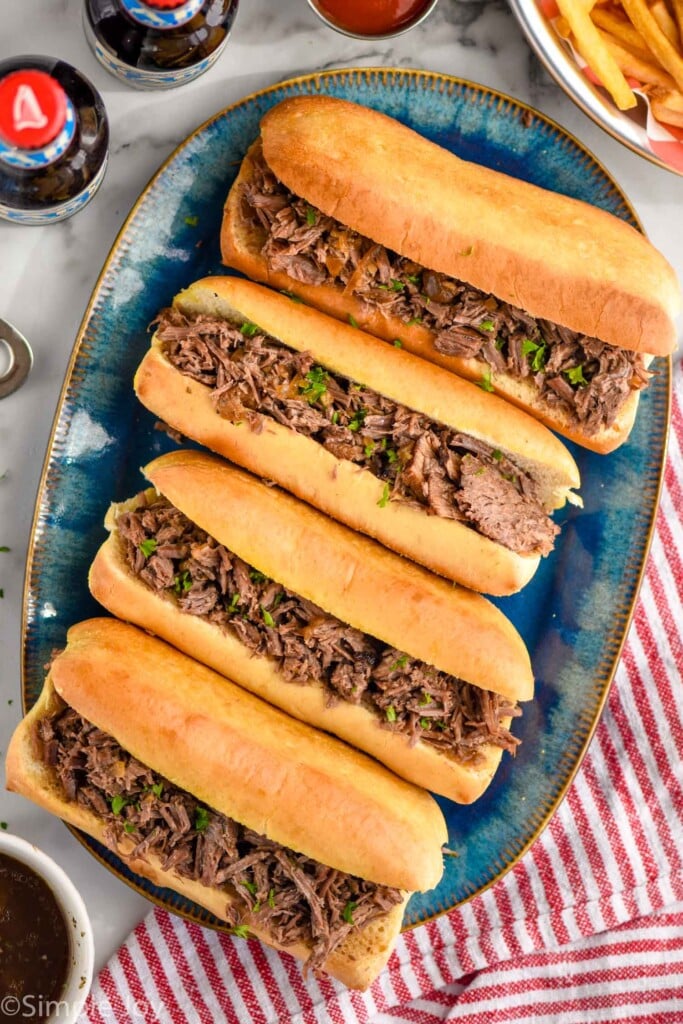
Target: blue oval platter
573, 615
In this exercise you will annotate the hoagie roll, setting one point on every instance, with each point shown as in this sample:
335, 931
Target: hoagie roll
555, 304
322, 622
423, 461
278, 829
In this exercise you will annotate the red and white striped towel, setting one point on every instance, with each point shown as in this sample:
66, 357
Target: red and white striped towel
588, 926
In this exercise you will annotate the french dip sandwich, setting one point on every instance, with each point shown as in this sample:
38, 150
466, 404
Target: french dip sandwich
282, 831
554, 304
318, 620
394, 447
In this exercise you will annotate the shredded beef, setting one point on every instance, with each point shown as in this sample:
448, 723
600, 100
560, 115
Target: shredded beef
587, 378
421, 461
404, 693
296, 898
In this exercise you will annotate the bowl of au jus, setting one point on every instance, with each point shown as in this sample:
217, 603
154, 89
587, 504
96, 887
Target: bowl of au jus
372, 19
46, 941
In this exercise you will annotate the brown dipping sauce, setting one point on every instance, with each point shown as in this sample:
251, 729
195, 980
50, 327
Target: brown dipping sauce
34, 943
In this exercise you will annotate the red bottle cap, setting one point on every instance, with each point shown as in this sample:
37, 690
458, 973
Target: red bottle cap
165, 5
32, 109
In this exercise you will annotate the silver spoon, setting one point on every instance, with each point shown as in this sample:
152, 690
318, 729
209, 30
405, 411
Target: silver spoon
20, 358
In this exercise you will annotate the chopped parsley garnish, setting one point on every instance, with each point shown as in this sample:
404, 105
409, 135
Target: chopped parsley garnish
485, 382
358, 419
414, 320
149, 546
399, 663
413, 278
384, 500
311, 216
267, 617
391, 713
575, 376
118, 802
3, 826
271, 898
201, 819
315, 386
424, 723
290, 295
398, 343
241, 931
497, 454
251, 886
182, 582
537, 350
353, 321
347, 912
369, 449
5, 548
192, 221
487, 325
426, 698
249, 329
129, 827
257, 577
232, 607
2, 591
392, 454
396, 285
335, 417
158, 788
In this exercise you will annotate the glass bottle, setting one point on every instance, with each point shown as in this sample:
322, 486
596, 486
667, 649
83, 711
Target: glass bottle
158, 44
54, 140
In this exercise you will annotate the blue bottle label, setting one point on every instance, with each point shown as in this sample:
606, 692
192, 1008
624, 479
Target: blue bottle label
157, 18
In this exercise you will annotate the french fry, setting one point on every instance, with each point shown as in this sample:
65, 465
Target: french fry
677, 7
596, 53
660, 12
632, 64
622, 29
667, 107
666, 54
563, 28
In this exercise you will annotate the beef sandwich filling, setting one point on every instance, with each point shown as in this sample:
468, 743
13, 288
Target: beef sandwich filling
586, 378
422, 463
171, 555
295, 897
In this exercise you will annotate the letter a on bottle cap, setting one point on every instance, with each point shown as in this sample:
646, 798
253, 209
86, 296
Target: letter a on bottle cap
33, 109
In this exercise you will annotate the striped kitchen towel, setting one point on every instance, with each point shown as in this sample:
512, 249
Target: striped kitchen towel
587, 927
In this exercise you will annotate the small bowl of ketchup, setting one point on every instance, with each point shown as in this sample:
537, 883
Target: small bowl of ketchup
46, 941
372, 19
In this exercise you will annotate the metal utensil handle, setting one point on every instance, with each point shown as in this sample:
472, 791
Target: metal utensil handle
21, 359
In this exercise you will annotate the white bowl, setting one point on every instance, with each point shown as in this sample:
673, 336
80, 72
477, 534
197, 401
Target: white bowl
626, 127
79, 978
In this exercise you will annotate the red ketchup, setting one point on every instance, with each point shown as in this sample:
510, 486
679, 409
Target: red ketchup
371, 17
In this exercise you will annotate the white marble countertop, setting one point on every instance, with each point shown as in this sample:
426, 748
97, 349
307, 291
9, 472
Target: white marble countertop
46, 274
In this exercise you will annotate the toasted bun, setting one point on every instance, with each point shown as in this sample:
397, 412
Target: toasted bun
546, 253
340, 487
356, 962
243, 499
241, 244
248, 760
